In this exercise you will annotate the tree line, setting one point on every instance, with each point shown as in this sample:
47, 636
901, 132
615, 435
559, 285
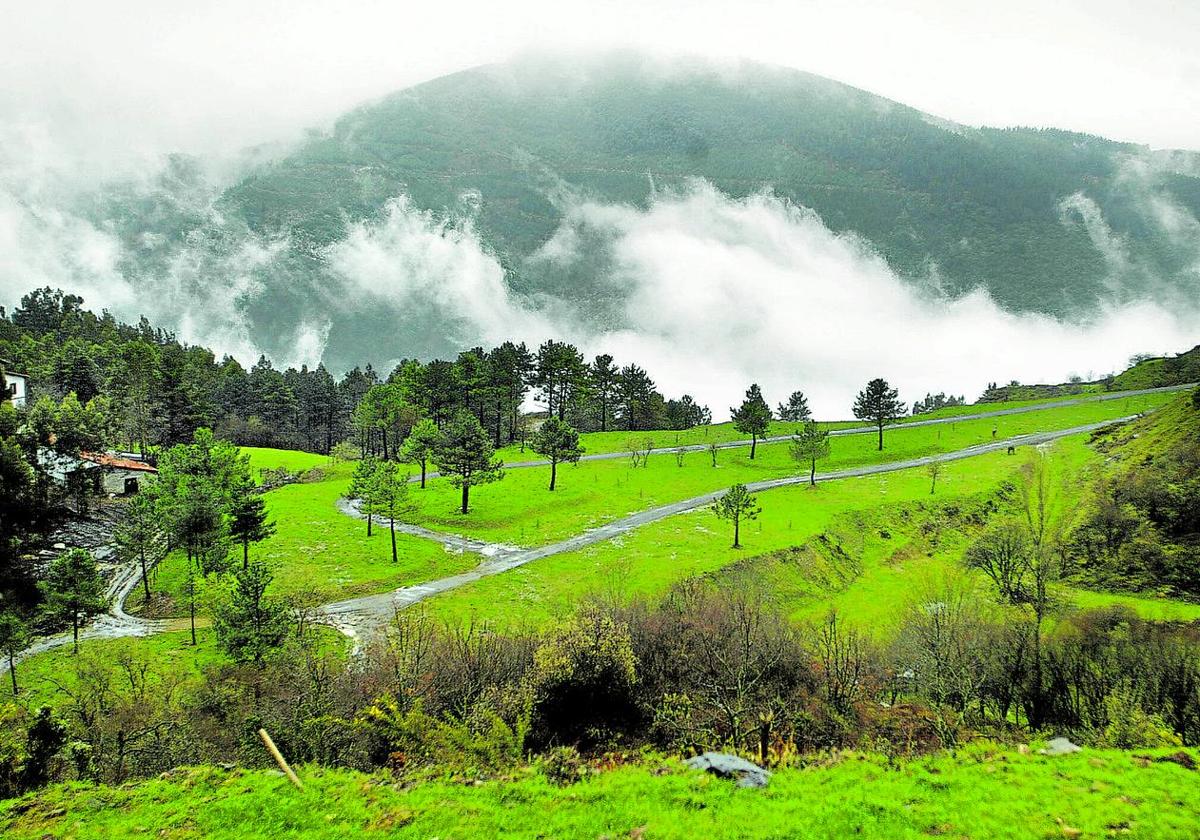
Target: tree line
159, 390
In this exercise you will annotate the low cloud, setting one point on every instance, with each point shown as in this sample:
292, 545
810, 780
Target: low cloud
411, 262
728, 291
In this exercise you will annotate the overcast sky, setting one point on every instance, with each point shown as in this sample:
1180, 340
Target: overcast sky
107, 78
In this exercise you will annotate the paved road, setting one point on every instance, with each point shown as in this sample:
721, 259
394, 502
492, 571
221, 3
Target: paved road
114, 624
859, 430
356, 616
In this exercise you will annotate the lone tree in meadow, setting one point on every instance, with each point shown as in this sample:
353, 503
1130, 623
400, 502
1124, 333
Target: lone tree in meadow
752, 417
74, 590
737, 504
464, 455
250, 624
391, 497
140, 537
795, 410
419, 445
880, 404
14, 636
248, 519
934, 469
810, 445
362, 487
559, 443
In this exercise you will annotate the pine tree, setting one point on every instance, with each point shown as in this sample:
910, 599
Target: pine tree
74, 590
391, 497
362, 487
248, 519
752, 417
795, 410
139, 536
419, 445
464, 455
250, 624
810, 445
735, 505
558, 442
14, 637
880, 404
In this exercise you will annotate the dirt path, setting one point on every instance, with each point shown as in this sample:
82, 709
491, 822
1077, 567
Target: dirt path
115, 624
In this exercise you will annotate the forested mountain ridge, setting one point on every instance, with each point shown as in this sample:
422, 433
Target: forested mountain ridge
1046, 220
915, 186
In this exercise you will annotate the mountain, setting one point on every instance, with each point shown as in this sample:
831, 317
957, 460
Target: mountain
1046, 220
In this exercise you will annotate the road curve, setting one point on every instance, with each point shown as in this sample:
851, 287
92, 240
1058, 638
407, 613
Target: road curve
115, 624
354, 616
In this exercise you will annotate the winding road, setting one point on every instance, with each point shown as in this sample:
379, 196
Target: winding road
356, 615
359, 616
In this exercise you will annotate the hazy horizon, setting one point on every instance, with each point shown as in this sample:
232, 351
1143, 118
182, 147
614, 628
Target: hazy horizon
93, 97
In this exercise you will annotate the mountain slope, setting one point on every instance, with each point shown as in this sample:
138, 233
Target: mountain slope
1045, 220
983, 204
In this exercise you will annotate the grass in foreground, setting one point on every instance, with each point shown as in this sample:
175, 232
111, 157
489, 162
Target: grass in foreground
981, 792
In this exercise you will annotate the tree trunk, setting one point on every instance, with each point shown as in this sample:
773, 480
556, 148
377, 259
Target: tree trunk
880, 435
466, 488
145, 579
553, 472
75, 630
753, 444
12, 670
422, 473
736, 529
812, 473
370, 515
245, 554
392, 523
385, 452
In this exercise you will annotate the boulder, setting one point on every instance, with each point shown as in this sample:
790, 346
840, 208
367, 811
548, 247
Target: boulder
745, 773
1060, 746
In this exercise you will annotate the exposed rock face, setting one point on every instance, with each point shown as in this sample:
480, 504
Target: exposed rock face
746, 773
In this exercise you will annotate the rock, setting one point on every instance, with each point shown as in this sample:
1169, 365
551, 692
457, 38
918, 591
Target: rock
60, 546
747, 774
1060, 746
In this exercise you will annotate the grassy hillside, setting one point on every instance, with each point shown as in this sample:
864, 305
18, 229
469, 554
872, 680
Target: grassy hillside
983, 791
321, 553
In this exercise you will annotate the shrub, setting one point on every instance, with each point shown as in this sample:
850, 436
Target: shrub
414, 739
1130, 726
563, 766
583, 682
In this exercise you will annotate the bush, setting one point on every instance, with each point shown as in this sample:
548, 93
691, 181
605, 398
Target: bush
563, 766
345, 451
414, 739
583, 682
1131, 727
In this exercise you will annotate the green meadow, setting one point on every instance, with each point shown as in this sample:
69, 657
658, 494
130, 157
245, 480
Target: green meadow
982, 791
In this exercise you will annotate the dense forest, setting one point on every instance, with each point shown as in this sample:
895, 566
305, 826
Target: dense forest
156, 391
